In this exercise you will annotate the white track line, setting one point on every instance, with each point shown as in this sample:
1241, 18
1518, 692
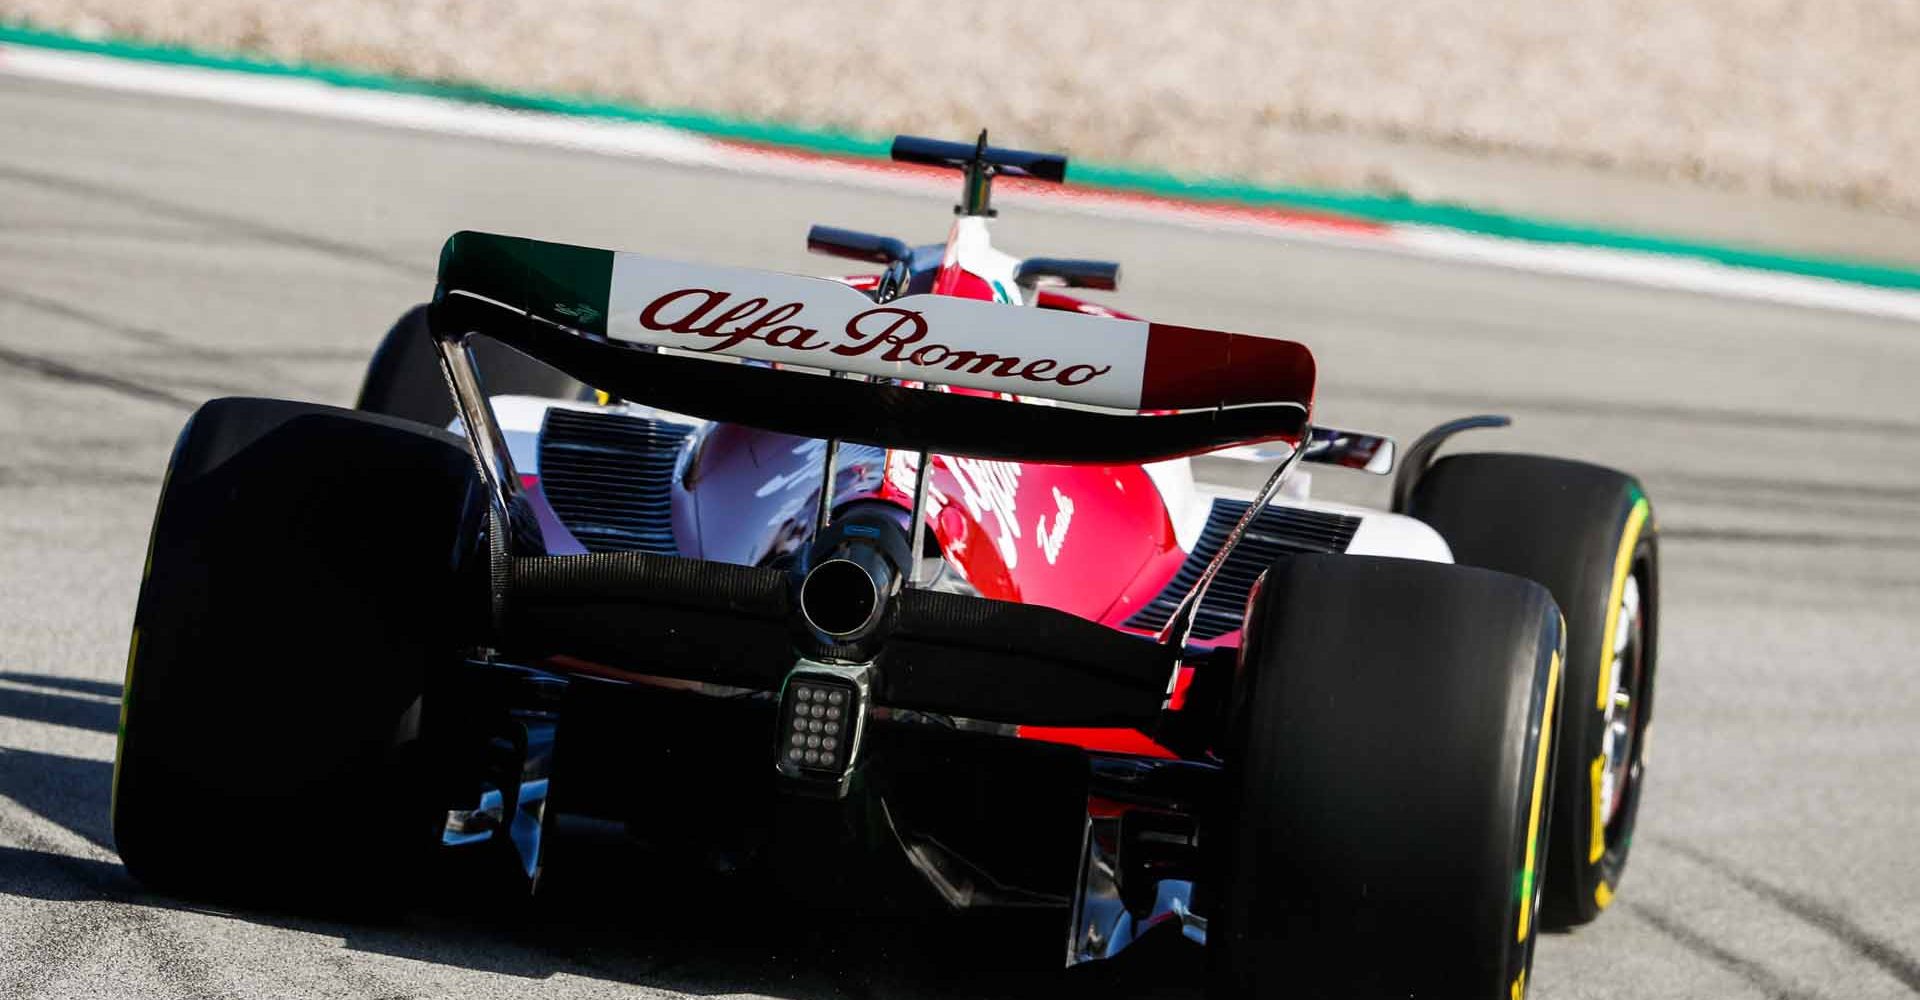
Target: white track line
1665, 271
670, 145
324, 100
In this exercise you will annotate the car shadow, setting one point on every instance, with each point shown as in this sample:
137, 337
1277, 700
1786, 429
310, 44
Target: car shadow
45, 701
609, 910
78, 685
59, 709
69, 791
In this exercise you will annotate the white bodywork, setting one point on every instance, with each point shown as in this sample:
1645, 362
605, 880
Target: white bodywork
1188, 504
819, 322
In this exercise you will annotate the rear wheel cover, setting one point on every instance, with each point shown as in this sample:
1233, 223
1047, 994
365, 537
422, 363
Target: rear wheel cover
1589, 535
283, 635
1389, 783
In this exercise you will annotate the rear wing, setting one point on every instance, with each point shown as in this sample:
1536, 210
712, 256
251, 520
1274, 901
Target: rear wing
608, 319
601, 316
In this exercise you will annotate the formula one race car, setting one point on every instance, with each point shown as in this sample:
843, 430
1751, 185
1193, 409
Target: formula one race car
903, 576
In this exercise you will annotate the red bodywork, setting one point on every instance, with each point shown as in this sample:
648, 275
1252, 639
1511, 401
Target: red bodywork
998, 522
1092, 540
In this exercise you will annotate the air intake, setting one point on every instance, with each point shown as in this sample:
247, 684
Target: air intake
609, 478
1278, 531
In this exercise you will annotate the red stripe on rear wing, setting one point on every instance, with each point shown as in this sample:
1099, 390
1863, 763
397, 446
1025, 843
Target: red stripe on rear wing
597, 313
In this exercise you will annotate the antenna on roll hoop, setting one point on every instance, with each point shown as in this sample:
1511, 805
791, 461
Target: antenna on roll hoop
980, 163
976, 195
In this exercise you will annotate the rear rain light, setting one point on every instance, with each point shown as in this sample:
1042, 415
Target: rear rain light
822, 715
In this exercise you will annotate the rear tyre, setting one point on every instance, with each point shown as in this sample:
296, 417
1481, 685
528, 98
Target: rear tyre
404, 377
1388, 764
306, 571
1587, 534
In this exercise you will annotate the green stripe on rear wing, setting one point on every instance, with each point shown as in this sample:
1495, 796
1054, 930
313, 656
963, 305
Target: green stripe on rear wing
596, 313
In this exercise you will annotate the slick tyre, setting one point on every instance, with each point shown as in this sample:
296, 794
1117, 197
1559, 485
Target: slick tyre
404, 377
1388, 758
308, 567
1587, 534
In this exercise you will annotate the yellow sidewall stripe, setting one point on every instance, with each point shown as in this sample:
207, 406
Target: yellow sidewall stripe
1622, 565
133, 645
1540, 765
1597, 842
120, 733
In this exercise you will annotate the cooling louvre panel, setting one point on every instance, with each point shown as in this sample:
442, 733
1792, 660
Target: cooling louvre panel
609, 478
1278, 531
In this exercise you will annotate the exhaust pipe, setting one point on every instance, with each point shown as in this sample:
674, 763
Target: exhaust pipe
841, 597
853, 571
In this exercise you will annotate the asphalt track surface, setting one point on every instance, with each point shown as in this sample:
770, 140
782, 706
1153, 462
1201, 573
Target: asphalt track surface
157, 253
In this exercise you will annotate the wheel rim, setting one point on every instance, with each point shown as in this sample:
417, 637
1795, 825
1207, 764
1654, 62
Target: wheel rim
1620, 736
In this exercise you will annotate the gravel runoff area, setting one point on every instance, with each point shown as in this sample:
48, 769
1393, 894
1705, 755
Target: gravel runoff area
1777, 96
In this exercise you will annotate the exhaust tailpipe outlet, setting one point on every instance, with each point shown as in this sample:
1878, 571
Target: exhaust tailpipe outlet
840, 597
852, 571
